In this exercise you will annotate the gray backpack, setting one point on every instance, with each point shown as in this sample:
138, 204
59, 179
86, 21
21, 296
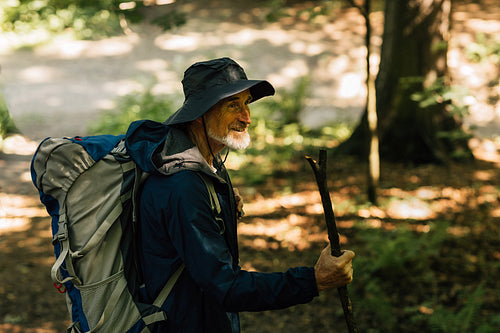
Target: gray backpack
89, 186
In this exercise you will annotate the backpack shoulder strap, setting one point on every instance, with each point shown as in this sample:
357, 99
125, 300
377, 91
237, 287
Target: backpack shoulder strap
215, 204
214, 200
162, 296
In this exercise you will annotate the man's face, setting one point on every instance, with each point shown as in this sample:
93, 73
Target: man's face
227, 121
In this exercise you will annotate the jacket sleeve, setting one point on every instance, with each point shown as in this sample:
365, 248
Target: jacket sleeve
204, 251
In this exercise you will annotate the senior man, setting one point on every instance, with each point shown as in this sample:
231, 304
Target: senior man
181, 233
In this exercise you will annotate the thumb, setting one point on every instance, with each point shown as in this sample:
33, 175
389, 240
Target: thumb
347, 255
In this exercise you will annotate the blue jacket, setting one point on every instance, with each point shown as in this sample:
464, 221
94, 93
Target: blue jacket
177, 226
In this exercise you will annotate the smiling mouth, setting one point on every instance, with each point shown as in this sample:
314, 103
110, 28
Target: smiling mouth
240, 128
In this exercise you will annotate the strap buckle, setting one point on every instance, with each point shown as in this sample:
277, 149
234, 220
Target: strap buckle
62, 233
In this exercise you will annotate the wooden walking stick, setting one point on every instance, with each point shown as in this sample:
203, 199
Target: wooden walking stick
320, 174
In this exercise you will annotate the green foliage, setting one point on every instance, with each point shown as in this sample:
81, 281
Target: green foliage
92, 19
171, 20
389, 265
7, 125
284, 108
278, 139
278, 135
453, 98
400, 251
397, 255
377, 304
483, 49
86, 19
276, 10
129, 108
463, 320
439, 92
308, 12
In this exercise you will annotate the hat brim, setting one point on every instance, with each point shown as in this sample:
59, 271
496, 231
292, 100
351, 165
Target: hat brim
196, 106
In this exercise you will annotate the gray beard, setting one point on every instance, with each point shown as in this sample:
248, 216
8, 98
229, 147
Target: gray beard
238, 141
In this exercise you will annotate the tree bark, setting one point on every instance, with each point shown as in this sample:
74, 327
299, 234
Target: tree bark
413, 57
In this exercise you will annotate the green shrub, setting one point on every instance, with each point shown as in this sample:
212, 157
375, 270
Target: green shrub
388, 267
133, 107
398, 279
278, 140
483, 49
171, 20
464, 319
7, 125
85, 19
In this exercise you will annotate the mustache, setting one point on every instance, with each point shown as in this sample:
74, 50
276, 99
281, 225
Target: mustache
240, 126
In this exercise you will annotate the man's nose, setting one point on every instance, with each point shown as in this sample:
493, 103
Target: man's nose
245, 115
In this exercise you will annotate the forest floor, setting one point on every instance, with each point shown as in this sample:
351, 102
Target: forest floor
283, 226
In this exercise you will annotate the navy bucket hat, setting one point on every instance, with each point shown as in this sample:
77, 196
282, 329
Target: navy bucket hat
206, 83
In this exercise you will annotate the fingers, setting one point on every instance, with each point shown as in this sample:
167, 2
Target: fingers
348, 271
346, 265
334, 272
346, 254
239, 201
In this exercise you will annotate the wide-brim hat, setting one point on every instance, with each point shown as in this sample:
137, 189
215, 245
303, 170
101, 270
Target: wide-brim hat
208, 82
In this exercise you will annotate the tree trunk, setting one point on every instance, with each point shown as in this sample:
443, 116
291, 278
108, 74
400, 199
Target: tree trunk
371, 110
413, 57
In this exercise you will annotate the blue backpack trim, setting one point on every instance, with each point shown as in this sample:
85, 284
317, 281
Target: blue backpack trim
97, 147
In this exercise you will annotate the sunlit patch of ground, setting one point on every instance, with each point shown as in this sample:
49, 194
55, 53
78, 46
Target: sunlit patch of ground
17, 210
17, 144
269, 205
18, 205
294, 232
14, 328
295, 221
487, 150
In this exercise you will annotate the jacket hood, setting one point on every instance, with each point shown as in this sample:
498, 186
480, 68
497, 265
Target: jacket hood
161, 149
